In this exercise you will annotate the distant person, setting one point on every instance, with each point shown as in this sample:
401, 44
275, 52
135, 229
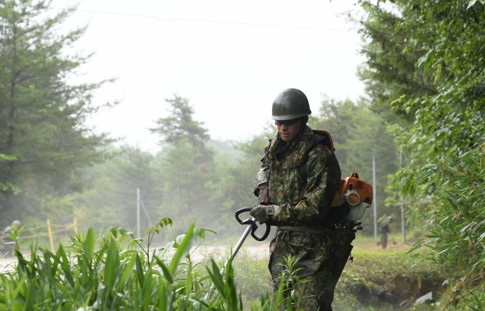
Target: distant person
7, 241
298, 203
385, 230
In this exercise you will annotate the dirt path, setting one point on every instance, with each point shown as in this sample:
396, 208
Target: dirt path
201, 253
221, 252
6, 263
376, 245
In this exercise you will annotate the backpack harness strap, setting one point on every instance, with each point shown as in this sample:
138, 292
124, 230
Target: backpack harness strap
324, 137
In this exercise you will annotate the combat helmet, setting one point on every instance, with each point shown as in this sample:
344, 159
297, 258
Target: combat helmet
290, 104
16, 224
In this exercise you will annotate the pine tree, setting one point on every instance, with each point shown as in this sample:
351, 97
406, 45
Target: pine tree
42, 133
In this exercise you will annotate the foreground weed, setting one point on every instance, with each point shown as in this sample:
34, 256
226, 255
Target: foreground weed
115, 271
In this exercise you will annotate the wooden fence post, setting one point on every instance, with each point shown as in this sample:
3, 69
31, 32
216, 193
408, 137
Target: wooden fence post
51, 238
75, 225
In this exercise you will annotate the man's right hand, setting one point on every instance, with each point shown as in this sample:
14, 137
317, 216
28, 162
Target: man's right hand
259, 212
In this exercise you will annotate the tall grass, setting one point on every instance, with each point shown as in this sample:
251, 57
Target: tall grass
117, 271
113, 272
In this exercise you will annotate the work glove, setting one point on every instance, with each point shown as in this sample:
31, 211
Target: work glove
264, 213
259, 212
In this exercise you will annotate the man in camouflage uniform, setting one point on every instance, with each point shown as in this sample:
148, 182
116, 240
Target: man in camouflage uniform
297, 182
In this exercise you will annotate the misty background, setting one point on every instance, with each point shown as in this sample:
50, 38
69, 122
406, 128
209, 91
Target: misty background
121, 114
167, 109
116, 114
229, 58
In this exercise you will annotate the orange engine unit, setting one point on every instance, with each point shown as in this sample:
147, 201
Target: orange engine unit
353, 182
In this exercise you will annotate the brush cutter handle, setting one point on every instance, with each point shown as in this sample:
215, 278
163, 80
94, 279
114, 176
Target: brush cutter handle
252, 222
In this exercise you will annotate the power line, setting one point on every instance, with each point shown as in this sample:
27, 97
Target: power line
211, 21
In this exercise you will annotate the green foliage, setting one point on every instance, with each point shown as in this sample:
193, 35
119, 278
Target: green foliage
180, 126
424, 76
289, 280
390, 72
187, 179
444, 141
42, 129
116, 271
233, 188
136, 179
390, 279
109, 273
105, 200
360, 134
6, 186
457, 222
226, 287
186, 172
109, 196
252, 277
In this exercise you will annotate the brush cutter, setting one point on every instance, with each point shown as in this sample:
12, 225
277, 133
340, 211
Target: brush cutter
252, 227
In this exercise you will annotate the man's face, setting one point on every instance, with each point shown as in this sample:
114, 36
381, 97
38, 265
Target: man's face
289, 129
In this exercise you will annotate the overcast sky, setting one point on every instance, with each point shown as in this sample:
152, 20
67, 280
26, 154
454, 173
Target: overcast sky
229, 58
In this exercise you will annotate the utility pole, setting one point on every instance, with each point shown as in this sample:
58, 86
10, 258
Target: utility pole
374, 193
138, 212
403, 217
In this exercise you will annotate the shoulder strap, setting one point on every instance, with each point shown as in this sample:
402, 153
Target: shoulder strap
327, 138
324, 137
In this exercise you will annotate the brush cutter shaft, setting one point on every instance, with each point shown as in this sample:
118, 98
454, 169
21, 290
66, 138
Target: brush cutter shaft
241, 242
251, 228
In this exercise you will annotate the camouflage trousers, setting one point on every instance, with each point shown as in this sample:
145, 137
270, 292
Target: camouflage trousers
309, 277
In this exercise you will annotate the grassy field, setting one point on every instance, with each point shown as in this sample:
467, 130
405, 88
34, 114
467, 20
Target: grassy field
112, 271
390, 279
376, 278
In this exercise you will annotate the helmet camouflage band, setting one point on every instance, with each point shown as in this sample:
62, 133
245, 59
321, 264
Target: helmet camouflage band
290, 104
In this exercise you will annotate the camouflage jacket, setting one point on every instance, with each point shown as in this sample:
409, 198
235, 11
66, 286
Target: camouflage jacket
302, 178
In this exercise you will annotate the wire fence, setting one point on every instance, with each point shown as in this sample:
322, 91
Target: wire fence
50, 232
